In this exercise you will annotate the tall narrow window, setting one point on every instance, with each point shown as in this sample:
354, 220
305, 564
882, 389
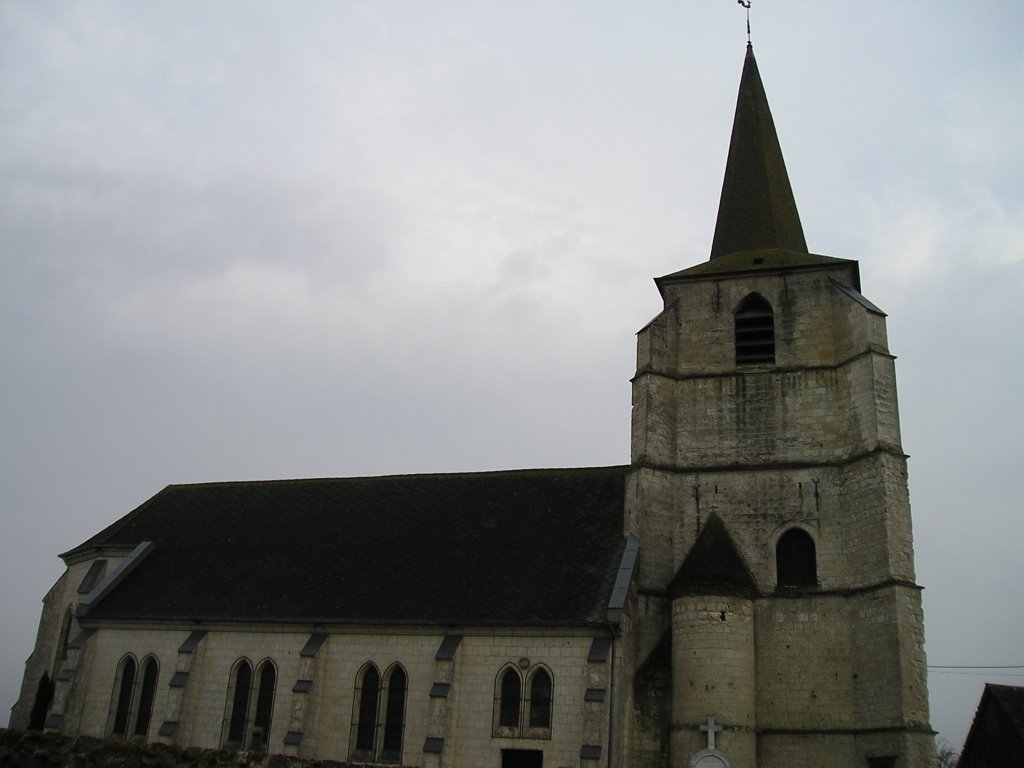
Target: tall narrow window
755, 331
150, 672
394, 716
511, 696
369, 699
795, 561
44, 697
125, 689
264, 707
62, 642
540, 699
240, 704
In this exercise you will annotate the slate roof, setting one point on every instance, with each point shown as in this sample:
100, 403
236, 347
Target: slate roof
1011, 700
758, 227
757, 209
526, 547
996, 737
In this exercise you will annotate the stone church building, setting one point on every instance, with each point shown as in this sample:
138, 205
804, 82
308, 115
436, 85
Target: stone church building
741, 594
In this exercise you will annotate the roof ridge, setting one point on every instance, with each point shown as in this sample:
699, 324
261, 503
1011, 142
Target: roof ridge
466, 473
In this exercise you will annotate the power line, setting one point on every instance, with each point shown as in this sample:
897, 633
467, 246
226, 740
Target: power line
977, 674
968, 666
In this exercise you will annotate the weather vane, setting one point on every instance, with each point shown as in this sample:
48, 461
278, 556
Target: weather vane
746, 4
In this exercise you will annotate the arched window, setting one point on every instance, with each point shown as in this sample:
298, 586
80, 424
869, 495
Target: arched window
394, 716
378, 714
264, 707
540, 699
150, 672
795, 560
125, 687
755, 331
510, 699
238, 694
368, 702
251, 705
41, 706
519, 717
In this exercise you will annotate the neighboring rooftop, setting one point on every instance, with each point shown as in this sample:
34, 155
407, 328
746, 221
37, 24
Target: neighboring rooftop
996, 738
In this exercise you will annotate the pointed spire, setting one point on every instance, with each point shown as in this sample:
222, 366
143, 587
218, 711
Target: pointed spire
757, 210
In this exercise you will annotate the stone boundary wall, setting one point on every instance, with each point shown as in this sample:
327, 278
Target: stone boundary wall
34, 749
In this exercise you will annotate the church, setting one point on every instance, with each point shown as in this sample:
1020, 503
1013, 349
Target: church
741, 594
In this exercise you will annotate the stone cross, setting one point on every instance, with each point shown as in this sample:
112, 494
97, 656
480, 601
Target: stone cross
711, 729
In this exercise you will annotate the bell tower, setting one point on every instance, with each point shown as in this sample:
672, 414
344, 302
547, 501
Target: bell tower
775, 582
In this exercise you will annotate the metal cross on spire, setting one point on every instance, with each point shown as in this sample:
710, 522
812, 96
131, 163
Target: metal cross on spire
746, 4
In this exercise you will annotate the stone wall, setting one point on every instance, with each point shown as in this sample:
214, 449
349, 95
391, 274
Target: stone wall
812, 442
57, 628
192, 703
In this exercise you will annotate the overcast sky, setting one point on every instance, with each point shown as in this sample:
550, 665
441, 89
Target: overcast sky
249, 240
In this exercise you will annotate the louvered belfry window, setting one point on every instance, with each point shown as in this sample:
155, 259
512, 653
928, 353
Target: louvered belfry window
755, 331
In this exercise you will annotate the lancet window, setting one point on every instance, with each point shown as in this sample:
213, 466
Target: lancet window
516, 715
250, 705
135, 687
378, 726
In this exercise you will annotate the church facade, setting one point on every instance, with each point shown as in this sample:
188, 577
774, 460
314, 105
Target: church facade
741, 594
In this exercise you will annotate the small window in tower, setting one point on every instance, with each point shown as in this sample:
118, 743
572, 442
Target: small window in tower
795, 560
755, 331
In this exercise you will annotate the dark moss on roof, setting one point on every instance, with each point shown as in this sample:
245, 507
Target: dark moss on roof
529, 547
713, 566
